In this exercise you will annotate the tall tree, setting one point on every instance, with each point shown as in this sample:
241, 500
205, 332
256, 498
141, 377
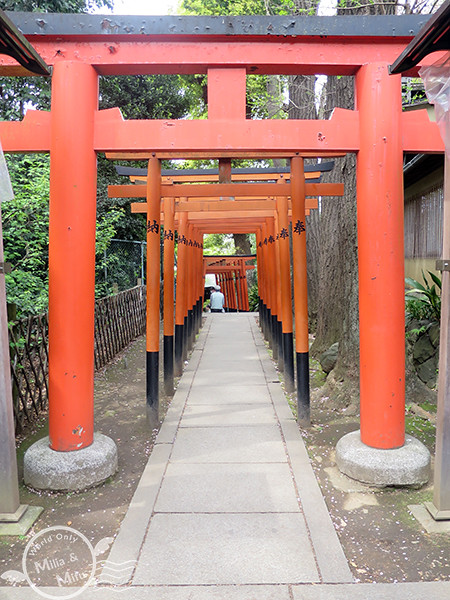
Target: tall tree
332, 236
331, 232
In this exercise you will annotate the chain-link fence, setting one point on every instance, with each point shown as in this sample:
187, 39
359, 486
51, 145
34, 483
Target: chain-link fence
121, 267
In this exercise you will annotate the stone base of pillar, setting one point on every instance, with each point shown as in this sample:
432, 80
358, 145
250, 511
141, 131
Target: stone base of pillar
21, 526
47, 469
405, 466
438, 515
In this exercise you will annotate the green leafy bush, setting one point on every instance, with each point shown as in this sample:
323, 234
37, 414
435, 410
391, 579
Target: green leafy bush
25, 234
424, 301
253, 297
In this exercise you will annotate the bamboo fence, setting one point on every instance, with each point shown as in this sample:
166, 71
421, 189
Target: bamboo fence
119, 319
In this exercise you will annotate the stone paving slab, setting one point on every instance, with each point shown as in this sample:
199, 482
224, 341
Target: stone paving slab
133, 528
240, 444
215, 359
228, 414
226, 549
233, 369
220, 378
244, 351
236, 488
222, 592
208, 592
231, 394
433, 590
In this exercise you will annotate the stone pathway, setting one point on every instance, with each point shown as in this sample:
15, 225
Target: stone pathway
228, 496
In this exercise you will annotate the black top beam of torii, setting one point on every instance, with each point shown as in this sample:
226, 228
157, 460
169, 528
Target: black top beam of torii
142, 172
107, 26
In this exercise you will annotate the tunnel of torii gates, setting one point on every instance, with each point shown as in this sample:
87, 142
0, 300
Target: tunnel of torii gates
82, 47
197, 204
231, 275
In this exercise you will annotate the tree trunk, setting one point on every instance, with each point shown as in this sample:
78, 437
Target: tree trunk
337, 308
302, 106
242, 243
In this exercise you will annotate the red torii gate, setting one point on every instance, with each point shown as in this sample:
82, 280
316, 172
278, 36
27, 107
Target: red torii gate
208, 208
236, 267
82, 47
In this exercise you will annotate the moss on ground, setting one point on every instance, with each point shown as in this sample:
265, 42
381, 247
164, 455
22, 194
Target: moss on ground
422, 429
317, 375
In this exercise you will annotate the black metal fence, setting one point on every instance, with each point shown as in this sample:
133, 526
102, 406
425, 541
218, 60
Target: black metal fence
122, 266
119, 319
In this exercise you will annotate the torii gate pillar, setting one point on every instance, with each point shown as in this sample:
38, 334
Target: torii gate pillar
379, 453
71, 458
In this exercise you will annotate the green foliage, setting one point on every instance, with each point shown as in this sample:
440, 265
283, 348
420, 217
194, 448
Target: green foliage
261, 98
55, 6
218, 243
147, 96
238, 7
424, 301
253, 297
413, 91
17, 93
416, 310
25, 233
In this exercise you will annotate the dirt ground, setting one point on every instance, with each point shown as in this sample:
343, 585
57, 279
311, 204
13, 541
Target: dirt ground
381, 539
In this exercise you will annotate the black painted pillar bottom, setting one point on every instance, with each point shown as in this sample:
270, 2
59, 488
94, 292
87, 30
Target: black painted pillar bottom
185, 341
303, 403
198, 316
153, 389
269, 327
288, 356
168, 365
179, 335
280, 346
274, 331
190, 330
266, 321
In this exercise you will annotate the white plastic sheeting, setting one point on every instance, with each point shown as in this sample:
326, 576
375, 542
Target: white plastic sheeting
6, 192
436, 79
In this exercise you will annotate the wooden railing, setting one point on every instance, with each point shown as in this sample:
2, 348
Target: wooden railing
119, 319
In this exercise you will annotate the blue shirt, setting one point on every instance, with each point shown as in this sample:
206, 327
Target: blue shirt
217, 300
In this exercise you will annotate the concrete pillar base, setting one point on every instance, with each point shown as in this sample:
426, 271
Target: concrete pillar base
47, 469
436, 513
408, 465
23, 524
